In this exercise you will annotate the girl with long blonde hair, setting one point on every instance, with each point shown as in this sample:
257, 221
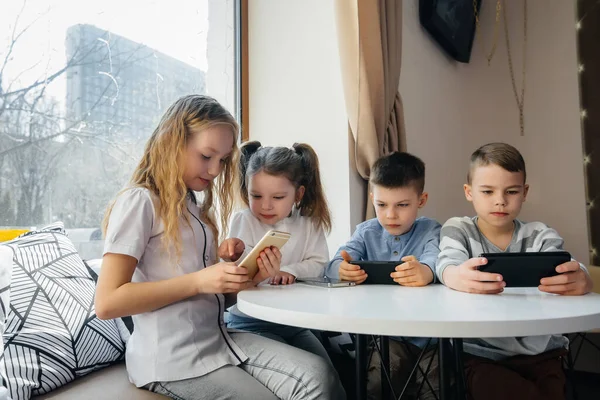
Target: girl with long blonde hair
160, 266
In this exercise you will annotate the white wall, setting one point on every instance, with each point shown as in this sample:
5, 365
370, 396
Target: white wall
296, 91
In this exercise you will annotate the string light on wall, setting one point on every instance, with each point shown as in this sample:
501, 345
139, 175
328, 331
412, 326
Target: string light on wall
587, 9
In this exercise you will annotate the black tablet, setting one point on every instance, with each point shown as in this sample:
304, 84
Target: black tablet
524, 269
378, 271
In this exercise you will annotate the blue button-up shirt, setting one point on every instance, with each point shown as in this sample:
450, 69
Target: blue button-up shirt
371, 242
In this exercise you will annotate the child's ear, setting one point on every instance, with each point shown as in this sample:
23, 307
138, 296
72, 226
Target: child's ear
371, 197
468, 192
525, 191
300, 193
423, 199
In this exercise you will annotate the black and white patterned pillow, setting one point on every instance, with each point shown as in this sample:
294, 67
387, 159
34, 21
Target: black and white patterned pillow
124, 324
52, 333
5, 274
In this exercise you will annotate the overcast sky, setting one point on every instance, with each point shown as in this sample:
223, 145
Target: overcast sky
175, 27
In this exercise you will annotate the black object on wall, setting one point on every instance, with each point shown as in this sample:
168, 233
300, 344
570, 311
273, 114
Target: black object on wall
452, 24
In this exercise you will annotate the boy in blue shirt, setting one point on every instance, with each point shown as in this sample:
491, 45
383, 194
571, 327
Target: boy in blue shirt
397, 181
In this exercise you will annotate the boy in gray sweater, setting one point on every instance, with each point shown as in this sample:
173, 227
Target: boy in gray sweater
505, 368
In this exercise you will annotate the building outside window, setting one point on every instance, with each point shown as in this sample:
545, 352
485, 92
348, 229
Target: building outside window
82, 87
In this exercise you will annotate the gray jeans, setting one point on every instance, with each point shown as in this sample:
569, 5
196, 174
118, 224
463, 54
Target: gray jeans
273, 371
301, 338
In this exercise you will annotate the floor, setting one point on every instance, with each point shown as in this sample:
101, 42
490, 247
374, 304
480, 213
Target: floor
587, 384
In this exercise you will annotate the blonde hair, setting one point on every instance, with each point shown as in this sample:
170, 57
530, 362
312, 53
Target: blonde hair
162, 166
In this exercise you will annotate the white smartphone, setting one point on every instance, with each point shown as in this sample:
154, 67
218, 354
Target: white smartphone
325, 282
271, 238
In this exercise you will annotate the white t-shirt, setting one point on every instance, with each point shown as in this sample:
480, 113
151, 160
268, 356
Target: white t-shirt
304, 255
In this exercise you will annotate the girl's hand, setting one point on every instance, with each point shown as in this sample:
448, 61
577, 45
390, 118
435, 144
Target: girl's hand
269, 261
231, 249
282, 278
223, 277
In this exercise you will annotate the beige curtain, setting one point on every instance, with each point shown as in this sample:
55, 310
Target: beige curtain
370, 42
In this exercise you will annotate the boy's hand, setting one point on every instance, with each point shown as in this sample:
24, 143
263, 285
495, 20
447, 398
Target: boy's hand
467, 278
231, 249
282, 278
269, 261
350, 272
572, 281
412, 273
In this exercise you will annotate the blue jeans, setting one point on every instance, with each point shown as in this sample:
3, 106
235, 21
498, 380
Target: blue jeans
298, 337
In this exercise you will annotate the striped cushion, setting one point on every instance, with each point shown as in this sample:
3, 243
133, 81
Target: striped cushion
52, 334
5, 274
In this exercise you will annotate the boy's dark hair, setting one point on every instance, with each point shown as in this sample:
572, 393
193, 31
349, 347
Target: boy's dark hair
500, 154
399, 169
300, 165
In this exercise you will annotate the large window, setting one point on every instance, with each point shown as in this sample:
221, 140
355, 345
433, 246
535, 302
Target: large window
82, 86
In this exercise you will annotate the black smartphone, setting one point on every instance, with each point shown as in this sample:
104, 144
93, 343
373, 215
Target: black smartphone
378, 271
524, 269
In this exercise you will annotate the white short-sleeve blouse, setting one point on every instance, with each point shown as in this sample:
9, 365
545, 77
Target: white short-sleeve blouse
185, 339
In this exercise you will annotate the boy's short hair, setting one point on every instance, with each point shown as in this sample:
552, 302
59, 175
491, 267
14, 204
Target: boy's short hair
500, 154
399, 169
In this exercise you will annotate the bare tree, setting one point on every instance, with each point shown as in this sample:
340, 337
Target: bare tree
66, 162
36, 135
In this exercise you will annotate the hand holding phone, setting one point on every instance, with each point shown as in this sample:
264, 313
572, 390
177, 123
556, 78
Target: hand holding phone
467, 277
412, 273
223, 277
570, 281
269, 263
272, 238
349, 271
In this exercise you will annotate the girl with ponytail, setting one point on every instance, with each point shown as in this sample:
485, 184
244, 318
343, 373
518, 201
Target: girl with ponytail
282, 189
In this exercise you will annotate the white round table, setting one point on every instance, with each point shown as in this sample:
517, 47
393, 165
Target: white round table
431, 311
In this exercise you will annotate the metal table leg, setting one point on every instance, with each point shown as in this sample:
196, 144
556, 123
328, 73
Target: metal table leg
444, 357
461, 393
361, 367
385, 368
